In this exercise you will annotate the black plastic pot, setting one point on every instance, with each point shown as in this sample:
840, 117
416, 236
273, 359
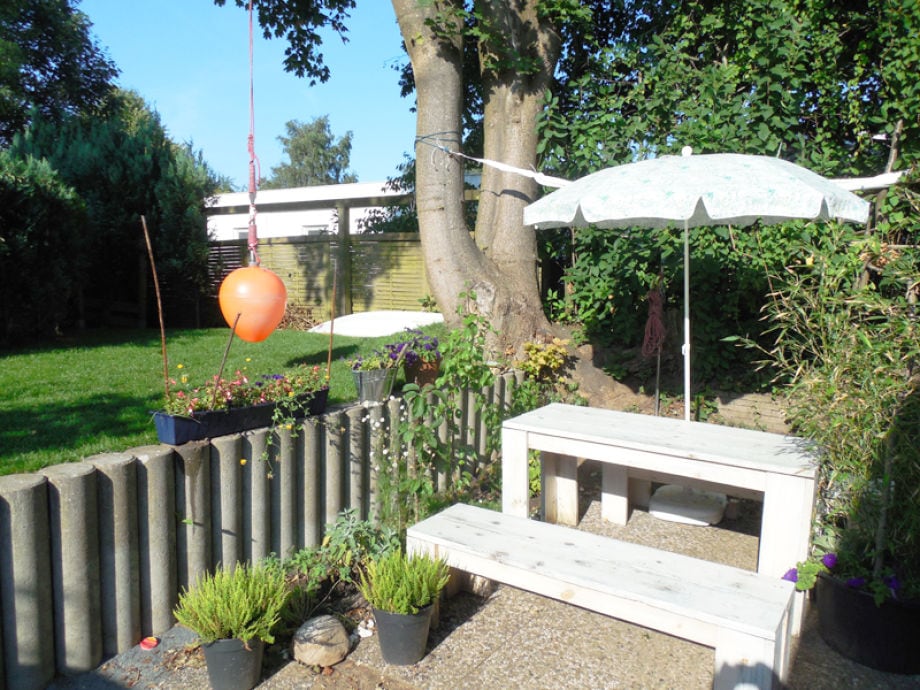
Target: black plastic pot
403, 637
231, 666
886, 637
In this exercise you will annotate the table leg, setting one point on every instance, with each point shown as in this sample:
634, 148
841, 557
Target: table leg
614, 494
560, 488
785, 532
515, 489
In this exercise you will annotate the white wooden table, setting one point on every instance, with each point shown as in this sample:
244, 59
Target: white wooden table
637, 449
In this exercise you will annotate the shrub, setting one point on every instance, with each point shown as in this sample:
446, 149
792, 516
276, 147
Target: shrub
244, 603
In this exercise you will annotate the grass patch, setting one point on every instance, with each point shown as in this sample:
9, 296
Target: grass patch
95, 392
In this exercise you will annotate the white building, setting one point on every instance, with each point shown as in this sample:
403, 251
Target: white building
298, 211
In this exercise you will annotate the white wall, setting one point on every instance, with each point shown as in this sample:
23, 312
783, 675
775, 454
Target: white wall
293, 212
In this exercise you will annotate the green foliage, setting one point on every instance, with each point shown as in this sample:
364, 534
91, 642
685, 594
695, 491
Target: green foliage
466, 368
244, 603
397, 583
314, 157
39, 251
431, 432
807, 574
843, 318
121, 167
396, 218
465, 351
545, 367
729, 282
408, 480
49, 64
298, 23
349, 543
314, 573
766, 77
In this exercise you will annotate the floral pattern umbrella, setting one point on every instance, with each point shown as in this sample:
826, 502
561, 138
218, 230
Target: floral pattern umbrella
692, 191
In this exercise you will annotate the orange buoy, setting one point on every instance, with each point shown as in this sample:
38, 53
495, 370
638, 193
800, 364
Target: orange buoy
258, 296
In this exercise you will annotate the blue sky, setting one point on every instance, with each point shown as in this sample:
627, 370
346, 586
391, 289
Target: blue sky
189, 59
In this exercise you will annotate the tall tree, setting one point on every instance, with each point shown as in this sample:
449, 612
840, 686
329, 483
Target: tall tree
48, 63
518, 49
314, 157
121, 167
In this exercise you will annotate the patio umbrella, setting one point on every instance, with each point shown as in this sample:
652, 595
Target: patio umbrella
692, 191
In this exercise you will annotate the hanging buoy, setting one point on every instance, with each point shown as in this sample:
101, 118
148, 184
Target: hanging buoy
258, 296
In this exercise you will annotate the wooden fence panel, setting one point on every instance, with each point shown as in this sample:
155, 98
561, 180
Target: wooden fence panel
387, 270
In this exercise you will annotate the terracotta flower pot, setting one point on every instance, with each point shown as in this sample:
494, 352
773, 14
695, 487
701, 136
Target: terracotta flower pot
422, 372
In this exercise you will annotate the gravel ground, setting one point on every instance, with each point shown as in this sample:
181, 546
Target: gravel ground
513, 639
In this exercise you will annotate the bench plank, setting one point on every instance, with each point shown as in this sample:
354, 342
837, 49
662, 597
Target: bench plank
755, 450
745, 616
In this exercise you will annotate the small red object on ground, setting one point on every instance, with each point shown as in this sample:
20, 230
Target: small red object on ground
149, 642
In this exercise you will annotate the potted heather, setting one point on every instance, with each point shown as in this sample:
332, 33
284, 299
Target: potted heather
234, 612
401, 590
241, 402
847, 341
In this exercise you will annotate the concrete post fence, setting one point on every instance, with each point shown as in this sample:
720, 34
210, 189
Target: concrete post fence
94, 555
75, 566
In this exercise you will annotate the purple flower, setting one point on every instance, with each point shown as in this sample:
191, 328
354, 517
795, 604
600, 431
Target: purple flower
829, 560
792, 575
856, 582
891, 582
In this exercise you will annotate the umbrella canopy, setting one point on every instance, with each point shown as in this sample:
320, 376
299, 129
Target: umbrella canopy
691, 191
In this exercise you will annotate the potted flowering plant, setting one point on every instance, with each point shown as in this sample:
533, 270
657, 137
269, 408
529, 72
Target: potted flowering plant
421, 355
848, 343
227, 405
234, 612
374, 374
401, 589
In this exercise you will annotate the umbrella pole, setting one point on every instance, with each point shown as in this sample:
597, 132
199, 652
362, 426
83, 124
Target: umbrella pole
686, 348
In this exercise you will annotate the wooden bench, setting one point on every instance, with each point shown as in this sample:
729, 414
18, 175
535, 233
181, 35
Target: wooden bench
743, 615
635, 449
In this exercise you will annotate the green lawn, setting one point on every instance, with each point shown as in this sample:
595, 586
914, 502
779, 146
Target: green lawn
94, 393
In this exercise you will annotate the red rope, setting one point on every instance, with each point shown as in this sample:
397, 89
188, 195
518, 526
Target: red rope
253, 160
654, 327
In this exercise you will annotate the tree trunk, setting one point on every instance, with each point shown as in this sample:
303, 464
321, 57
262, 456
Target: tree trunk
500, 265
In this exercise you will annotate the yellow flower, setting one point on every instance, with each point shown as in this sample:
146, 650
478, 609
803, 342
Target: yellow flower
242, 461
180, 366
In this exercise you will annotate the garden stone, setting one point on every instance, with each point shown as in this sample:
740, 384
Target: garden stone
321, 641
